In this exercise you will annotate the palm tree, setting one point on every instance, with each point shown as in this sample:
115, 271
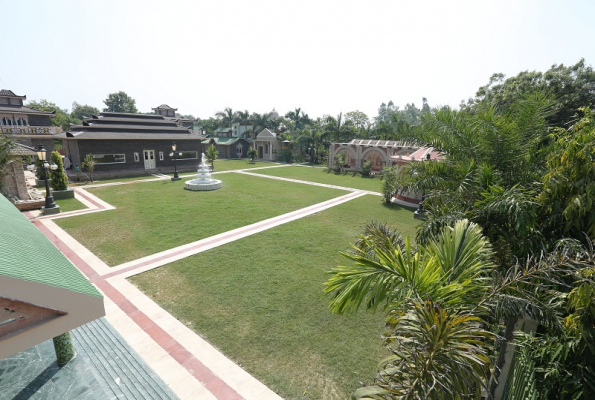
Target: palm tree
261, 121
439, 285
442, 299
299, 118
226, 117
243, 117
337, 129
492, 161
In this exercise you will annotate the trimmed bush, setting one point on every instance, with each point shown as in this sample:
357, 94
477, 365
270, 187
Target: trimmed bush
59, 178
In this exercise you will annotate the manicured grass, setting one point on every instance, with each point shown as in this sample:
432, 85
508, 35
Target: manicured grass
320, 175
260, 301
70, 205
155, 216
229, 165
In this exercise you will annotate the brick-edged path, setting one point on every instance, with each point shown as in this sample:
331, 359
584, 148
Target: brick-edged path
188, 364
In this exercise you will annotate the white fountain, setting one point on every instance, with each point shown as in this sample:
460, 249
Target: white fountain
203, 179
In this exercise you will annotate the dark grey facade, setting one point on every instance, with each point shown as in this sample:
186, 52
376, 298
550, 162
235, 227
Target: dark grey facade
133, 144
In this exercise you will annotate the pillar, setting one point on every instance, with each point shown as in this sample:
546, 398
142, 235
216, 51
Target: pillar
64, 348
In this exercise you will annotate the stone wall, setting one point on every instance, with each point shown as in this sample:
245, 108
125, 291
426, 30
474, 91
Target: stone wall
13, 181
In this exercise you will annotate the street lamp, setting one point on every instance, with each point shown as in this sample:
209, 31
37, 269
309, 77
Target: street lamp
49, 199
176, 177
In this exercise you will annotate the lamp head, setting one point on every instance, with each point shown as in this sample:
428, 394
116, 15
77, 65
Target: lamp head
41, 152
173, 146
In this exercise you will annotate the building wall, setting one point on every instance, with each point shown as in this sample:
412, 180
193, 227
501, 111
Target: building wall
128, 148
39, 120
244, 146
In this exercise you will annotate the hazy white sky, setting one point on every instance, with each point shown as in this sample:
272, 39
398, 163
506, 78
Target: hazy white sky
323, 56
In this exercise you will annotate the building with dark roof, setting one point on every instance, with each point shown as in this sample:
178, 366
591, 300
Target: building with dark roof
228, 147
27, 125
124, 143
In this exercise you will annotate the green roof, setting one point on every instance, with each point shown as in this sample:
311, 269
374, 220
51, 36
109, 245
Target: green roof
25, 253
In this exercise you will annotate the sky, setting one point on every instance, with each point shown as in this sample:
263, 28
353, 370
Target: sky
323, 56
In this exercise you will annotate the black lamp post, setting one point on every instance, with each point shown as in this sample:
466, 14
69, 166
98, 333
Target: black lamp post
176, 177
49, 199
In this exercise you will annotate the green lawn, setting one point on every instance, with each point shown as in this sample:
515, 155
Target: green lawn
229, 165
155, 216
260, 301
321, 176
70, 205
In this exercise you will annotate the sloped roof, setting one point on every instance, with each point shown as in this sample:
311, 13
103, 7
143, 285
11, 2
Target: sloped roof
266, 133
22, 150
24, 110
164, 107
222, 140
140, 135
26, 254
6, 92
116, 126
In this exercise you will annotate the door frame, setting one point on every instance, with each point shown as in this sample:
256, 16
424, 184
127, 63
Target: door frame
149, 152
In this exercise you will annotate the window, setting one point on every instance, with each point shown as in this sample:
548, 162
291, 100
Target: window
266, 148
22, 122
136, 157
109, 158
187, 155
6, 121
160, 156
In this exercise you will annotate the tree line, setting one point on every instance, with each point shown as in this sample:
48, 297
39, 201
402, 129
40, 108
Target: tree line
508, 238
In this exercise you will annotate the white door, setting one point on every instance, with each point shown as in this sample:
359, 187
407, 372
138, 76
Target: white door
149, 159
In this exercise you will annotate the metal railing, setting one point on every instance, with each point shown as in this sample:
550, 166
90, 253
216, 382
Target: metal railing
30, 130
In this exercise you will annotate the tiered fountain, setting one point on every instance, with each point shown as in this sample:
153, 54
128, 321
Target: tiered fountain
203, 179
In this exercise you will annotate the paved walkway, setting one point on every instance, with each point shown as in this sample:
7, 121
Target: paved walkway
105, 368
189, 365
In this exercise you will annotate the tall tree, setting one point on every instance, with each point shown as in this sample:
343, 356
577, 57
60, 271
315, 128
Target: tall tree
261, 121
338, 129
120, 102
299, 118
226, 117
80, 111
568, 192
572, 86
491, 164
61, 119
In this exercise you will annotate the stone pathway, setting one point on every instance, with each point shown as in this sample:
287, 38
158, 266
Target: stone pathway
188, 364
105, 368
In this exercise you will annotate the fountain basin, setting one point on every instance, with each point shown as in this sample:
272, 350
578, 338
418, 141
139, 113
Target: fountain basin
202, 185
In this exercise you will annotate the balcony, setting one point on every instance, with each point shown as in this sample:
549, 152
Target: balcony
31, 130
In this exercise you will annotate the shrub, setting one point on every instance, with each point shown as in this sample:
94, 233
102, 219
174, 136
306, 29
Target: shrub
252, 153
366, 168
89, 164
340, 160
59, 178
